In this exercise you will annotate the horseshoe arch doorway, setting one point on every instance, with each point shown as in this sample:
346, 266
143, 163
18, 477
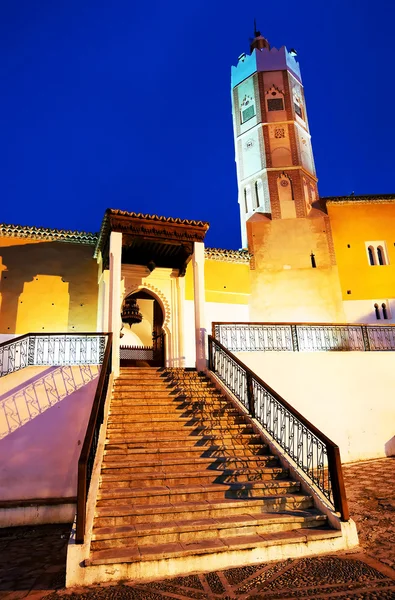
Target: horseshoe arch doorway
143, 344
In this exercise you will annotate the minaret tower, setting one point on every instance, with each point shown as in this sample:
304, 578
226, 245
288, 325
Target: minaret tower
275, 166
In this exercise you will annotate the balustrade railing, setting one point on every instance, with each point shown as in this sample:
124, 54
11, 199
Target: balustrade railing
315, 454
60, 349
91, 440
304, 337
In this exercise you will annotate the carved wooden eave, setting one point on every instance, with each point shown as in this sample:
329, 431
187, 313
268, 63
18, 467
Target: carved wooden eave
151, 240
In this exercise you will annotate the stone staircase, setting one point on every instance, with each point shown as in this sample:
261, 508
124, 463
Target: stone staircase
185, 479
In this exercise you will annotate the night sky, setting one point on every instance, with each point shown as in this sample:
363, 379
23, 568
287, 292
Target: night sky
126, 104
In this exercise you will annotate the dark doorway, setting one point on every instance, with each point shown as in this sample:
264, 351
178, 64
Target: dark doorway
150, 353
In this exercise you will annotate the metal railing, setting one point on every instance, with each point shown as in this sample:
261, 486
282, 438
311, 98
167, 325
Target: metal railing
315, 454
304, 337
60, 349
89, 447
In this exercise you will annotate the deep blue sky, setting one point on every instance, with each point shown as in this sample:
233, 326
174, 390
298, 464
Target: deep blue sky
126, 104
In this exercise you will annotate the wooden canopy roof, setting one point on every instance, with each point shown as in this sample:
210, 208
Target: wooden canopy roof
150, 240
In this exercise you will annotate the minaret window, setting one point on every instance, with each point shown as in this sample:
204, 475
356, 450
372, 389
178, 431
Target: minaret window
260, 201
275, 104
274, 99
384, 309
298, 106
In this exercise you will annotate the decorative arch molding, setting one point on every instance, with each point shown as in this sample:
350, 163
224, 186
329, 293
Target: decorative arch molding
158, 294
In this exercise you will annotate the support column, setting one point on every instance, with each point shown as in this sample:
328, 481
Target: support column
199, 305
180, 305
114, 313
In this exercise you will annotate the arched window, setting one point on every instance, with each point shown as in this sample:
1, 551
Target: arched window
385, 313
245, 200
380, 255
260, 200
371, 255
377, 311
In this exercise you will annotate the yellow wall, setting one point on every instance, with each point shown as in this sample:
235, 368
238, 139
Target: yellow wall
355, 224
46, 286
225, 282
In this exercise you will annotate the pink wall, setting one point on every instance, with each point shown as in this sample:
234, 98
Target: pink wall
39, 459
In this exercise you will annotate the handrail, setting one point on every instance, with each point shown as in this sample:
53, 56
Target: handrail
15, 339
299, 438
89, 447
310, 337
47, 348
305, 323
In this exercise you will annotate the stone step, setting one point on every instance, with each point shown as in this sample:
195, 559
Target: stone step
226, 544
162, 381
131, 514
203, 529
178, 465
176, 402
168, 398
172, 411
195, 493
236, 450
174, 426
142, 440
155, 418
203, 477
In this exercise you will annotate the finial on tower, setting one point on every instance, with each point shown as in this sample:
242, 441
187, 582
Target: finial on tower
259, 41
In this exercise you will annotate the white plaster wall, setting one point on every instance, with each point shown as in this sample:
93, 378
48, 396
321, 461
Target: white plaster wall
44, 413
349, 396
362, 311
4, 337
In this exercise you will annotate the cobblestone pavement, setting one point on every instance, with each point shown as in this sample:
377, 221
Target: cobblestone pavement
371, 496
32, 560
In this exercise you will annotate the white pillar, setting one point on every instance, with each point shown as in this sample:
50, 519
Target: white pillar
181, 333
199, 302
114, 313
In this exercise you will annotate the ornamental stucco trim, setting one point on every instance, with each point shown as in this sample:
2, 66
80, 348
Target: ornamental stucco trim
48, 235
232, 256
133, 287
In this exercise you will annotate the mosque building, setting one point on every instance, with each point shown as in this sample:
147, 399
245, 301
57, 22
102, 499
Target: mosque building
313, 273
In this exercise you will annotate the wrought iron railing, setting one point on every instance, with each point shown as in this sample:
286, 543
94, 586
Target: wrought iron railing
304, 337
60, 349
89, 447
315, 454
154, 355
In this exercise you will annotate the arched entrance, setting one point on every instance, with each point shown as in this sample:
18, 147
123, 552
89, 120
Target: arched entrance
143, 343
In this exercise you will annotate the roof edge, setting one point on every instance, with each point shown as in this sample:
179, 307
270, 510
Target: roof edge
48, 234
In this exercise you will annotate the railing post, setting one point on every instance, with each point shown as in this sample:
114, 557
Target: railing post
81, 504
365, 337
337, 481
210, 353
250, 394
294, 335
